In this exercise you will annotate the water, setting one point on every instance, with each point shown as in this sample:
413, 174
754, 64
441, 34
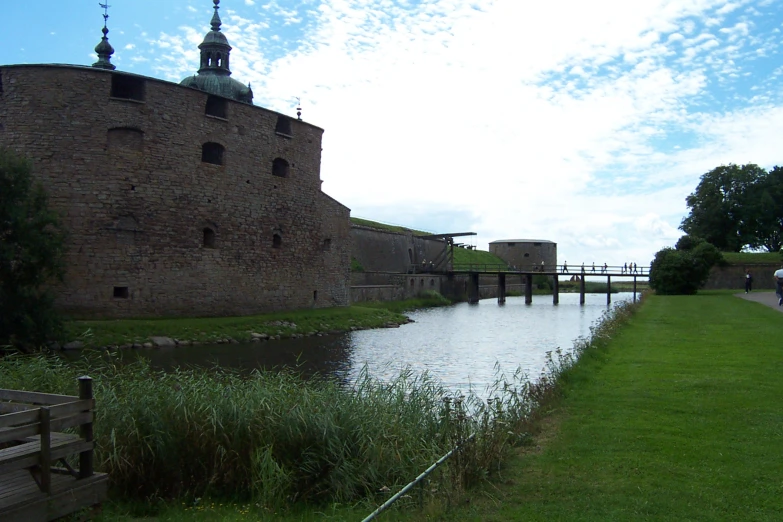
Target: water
461, 345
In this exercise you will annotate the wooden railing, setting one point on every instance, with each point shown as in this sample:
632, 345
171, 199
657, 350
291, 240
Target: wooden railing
36, 433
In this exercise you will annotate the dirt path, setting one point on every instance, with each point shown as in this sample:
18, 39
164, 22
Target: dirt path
765, 297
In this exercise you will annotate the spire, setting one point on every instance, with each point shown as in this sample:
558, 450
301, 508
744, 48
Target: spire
104, 48
216, 23
215, 49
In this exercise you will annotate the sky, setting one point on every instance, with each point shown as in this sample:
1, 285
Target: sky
586, 123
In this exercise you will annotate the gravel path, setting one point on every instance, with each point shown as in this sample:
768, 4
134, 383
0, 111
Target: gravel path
766, 298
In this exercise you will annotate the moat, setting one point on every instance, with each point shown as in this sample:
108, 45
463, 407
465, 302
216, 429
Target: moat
462, 345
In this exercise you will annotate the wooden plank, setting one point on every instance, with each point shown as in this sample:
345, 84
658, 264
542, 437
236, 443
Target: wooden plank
21, 417
20, 432
48, 399
68, 496
26, 455
71, 421
46, 454
69, 408
10, 407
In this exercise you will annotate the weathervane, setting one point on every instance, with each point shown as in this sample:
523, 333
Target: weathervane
105, 7
298, 108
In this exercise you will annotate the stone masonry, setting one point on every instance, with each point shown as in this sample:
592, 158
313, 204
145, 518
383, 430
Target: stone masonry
172, 211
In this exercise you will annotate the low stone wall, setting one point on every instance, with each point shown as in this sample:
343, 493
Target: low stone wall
733, 277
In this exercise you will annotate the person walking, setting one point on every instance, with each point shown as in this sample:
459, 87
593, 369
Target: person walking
565, 267
748, 281
778, 283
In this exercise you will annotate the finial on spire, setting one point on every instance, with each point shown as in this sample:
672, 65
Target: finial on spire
104, 48
216, 23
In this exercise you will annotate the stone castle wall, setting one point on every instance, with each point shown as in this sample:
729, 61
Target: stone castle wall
156, 231
526, 254
733, 277
385, 251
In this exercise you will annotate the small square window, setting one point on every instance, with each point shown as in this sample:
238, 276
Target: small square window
121, 292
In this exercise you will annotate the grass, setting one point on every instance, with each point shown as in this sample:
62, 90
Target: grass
752, 258
428, 299
675, 417
463, 256
212, 329
388, 228
272, 446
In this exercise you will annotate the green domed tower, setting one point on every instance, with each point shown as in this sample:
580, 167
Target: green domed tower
214, 75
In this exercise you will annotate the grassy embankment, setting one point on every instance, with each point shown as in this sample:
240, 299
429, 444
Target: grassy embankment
677, 417
752, 258
124, 332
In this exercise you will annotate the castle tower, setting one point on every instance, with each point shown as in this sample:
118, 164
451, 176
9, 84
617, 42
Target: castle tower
214, 74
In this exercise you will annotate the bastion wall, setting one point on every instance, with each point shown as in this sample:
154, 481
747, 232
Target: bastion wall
385, 251
170, 210
526, 254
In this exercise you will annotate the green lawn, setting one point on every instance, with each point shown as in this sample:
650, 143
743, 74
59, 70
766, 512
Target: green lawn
677, 418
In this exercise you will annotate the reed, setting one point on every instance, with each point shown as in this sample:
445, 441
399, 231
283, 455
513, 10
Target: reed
277, 440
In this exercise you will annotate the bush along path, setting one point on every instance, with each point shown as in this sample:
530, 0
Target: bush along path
675, 417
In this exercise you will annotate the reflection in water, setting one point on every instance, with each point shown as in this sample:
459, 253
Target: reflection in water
460, 344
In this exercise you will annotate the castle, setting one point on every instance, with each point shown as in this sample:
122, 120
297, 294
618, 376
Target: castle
179, 199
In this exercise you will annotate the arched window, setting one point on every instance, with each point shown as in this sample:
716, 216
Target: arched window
280, 168
410, 256
277, 241
212, 153
209, 238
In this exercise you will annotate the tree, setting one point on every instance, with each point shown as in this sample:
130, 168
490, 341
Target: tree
685, 269
32, 244
766, 205
723, 209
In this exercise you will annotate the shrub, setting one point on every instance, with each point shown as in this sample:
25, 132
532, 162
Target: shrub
32, 244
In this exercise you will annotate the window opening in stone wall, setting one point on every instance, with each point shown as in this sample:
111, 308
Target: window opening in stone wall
315, 295
411, 282
283, 126
536, 244
277, 241
125, 138
127, 87
511, 244
209, 238
327, 245
212, 153
527, 255
216, 106
410, 256
432, 282
280, 167
121, 292
421, 282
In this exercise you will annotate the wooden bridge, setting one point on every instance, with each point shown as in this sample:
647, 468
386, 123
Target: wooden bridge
579, 272
37, 449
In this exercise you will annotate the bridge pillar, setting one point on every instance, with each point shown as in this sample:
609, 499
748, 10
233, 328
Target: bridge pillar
634, 288
501, 288
608, 289
473, 288
582, 289
528, 288
556, 290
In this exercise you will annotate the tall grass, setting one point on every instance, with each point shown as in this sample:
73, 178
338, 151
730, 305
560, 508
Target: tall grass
277, 440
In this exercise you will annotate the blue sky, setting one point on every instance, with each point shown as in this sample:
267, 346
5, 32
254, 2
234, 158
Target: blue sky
583, 123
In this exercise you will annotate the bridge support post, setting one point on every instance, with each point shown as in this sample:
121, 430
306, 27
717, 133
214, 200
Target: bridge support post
529, 288
582, 289
634, 289
501, 288
556, 290
473, 288
608, 289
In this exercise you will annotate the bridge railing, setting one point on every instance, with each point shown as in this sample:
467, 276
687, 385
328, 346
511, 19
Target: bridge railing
565, 268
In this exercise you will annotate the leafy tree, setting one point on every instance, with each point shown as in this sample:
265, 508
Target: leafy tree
723, 209
685, 269
766, 205
32, 245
